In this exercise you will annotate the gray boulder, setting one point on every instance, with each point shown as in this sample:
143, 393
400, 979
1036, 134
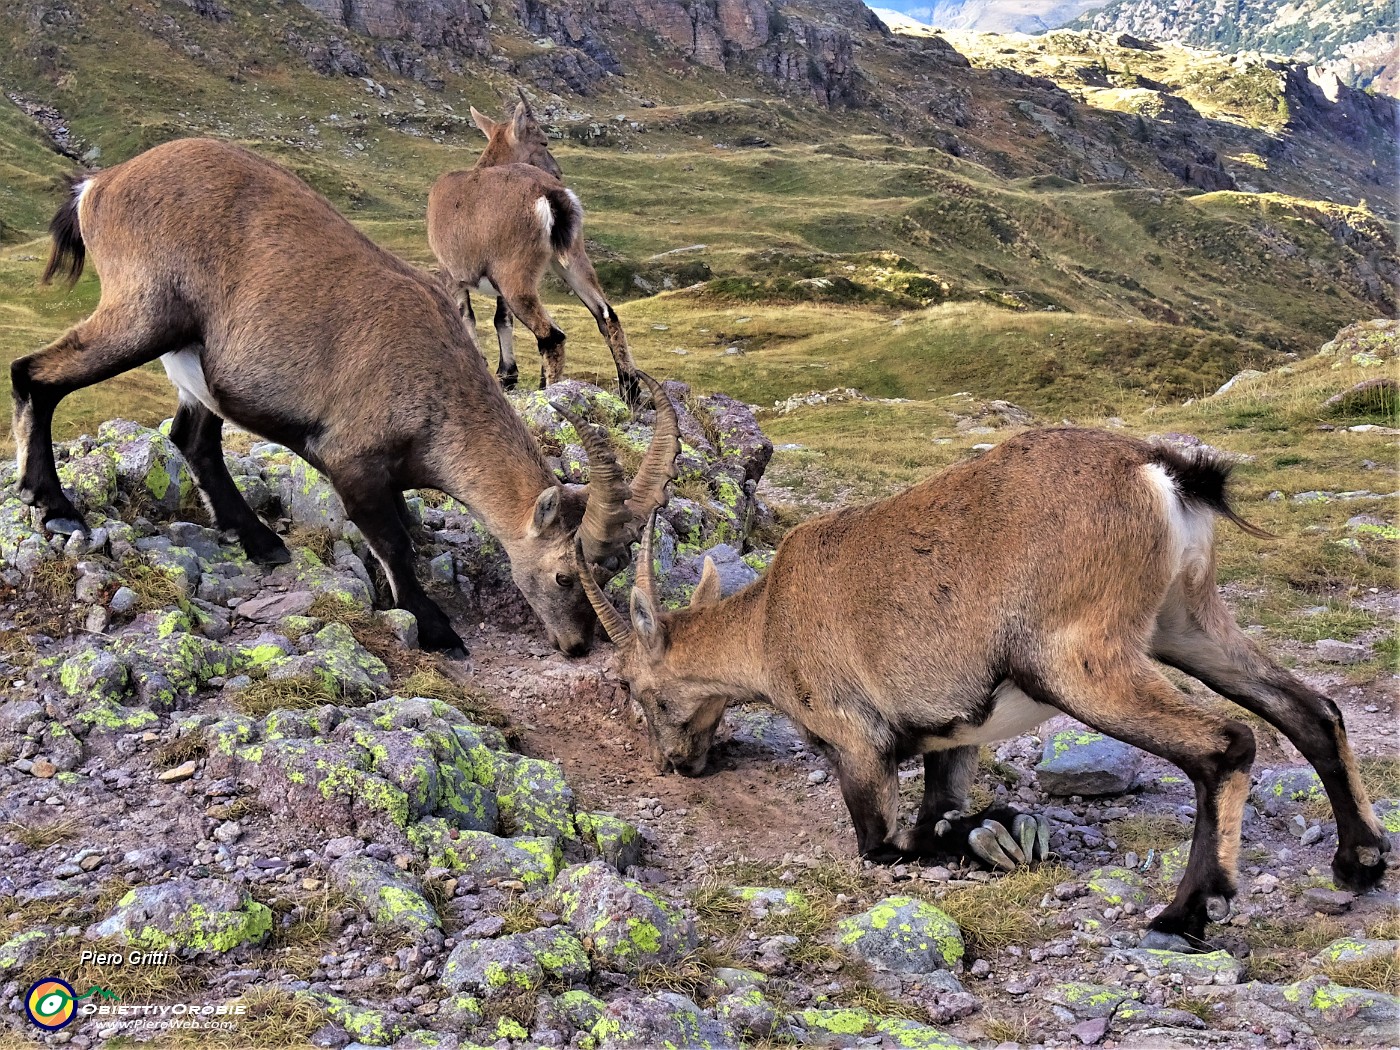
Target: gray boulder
630, 929
903, 934
1079, 762
199, 915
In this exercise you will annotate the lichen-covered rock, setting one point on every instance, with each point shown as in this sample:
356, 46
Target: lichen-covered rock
151, 473
1115, 886
23, 948
903, 934
389, 896
534, 799
1078, 762
383, 767
1347, 950
201, 915
1089, 1001
520, 961
486, 857
749, 1013
1343, 1014
841, 1027
627, 928
1276, 790
367, 1026
617, 842
582, 1009
665, 1019
1218, 967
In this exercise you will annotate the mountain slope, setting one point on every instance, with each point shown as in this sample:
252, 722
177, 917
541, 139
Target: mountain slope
1354, 39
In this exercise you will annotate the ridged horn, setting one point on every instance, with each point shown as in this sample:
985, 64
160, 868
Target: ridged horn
529, 110
658, 467
606, 515
619, 630
646, 583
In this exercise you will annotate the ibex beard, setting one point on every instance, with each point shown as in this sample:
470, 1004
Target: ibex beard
1051, 575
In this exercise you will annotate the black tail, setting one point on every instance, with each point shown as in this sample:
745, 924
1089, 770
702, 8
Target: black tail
69, 253
1202, 477
568, 218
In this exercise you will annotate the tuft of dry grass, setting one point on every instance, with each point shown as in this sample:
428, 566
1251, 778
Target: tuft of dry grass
130, 983
317, 539
1280, 948
297, 693
1146, 832
276, 1018
428, 681
154, 590
1017, 1027
180, 749
39, 835
55, 580
1004, 911
691, 975
1377, 975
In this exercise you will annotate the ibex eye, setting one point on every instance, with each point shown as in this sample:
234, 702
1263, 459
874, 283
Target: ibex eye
563, 580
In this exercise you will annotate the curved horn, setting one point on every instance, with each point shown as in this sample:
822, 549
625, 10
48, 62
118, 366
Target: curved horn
529, 110
606, 514
658, 467
646, 583
619, 630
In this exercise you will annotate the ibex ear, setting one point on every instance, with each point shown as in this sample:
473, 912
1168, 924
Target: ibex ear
485, 123
521, 120
645, 620
546, 510
707, 590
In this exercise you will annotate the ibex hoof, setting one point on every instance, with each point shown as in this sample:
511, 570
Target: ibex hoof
65, 526
1028, 841
1218, 908
1369, 856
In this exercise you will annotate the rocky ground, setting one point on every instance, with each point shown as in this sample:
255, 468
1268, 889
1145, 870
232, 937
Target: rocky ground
256, 772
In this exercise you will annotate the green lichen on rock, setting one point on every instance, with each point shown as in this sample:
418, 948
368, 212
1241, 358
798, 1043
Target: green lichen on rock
616, 841
1116, 886
206, 915
1089, 1000
534, 799
367, 1026
391, 897
629, 928
23, 948
904, 934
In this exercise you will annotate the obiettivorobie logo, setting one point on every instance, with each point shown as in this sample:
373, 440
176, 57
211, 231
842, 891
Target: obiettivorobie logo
52, 1003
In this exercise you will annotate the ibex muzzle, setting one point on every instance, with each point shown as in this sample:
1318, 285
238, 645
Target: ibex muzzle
1048, 576
269, 309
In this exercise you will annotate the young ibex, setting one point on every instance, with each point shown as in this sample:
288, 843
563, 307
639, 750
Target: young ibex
269, 309
500, 225
1044, 577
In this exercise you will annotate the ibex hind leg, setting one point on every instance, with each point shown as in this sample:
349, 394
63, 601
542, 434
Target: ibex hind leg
1208, 645
198, 434
526, 305
374, 508
113, 340
582, 280
1132, 701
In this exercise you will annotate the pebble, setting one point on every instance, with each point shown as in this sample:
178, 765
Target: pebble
183, 771
43, 768
817, 776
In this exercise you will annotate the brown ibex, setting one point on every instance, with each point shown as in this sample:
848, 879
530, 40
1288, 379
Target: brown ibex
1045, 577
269, 309
498, 226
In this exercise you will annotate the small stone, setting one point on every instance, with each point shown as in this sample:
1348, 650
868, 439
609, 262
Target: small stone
43, 768
91, 861
817, 776
1312, 835
124, 599
1331, 651
183, 771
1328, 902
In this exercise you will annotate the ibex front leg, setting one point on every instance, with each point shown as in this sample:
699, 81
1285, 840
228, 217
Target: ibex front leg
870, 788
373, 507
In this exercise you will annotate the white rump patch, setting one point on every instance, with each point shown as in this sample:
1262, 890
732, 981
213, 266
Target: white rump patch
546, 215
186, 370
574, 197
1013, 714
1191, 528
79, 193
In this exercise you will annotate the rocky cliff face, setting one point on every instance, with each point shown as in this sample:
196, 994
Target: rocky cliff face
1353, 39
810, 51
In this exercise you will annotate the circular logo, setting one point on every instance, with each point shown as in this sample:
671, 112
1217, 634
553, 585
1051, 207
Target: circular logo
50, 1003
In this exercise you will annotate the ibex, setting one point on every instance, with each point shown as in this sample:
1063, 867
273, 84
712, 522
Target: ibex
500, 225
1045, 577
268, 308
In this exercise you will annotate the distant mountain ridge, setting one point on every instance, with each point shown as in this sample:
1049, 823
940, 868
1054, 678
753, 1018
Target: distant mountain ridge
1354, 39
992, 16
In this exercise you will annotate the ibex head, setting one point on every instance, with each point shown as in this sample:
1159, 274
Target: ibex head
681, 701
585, 532
517, 140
